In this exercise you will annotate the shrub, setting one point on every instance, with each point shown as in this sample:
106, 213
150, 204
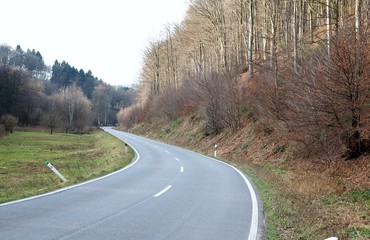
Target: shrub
328, 98
128, 117
9, 122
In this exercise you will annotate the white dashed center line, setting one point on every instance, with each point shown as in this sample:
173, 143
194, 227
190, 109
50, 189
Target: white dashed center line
163, 191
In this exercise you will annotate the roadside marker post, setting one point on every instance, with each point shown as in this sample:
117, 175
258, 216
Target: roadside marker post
47, 163
125, 147
215, 150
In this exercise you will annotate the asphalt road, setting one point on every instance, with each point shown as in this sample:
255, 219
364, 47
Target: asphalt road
166, 193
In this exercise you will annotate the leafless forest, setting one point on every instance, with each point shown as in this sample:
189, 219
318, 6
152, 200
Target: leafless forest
60, 98
301, 65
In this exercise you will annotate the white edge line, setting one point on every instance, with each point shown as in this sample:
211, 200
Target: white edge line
163, 191
76, 185
254, 222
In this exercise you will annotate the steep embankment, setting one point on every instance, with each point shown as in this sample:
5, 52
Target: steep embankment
304, 197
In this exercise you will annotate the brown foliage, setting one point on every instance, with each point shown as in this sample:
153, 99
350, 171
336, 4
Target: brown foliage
263, 96
170, 104
128, 117
329, 96
220, 101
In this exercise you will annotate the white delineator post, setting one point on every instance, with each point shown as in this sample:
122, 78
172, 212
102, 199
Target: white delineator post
125, 147
216, 150
47, 163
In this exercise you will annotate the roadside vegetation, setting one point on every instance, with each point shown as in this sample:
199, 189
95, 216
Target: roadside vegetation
304, 197
77, 157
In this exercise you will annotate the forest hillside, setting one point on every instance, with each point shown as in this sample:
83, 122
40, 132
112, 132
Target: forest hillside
301, 65
282, 88
58, 97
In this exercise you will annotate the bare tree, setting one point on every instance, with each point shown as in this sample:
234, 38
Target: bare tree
328, 26
74, 109
220, 101
331, 94
5, 54
250, 38
51, 117
295, 33
102, 99
9, 122
214, 11
273, 13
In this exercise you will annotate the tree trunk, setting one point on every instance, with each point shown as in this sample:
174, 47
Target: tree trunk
273, 19
358, 15
328, 26
250, 39
295, 34
310, 25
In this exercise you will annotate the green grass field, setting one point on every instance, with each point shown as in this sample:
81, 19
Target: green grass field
77, 157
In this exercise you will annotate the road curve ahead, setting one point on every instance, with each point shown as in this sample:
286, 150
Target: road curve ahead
167, 193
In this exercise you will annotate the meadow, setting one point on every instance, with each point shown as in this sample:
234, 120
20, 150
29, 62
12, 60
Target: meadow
78, 158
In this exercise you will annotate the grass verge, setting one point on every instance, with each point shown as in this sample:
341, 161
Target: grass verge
77, 157
271, 199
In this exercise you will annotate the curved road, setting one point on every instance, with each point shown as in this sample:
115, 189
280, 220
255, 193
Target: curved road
166, 193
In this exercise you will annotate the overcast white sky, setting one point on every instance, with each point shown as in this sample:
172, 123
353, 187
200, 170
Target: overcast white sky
107, 37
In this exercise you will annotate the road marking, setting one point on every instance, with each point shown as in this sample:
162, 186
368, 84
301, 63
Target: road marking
254, 221
163, 191
177, 159
182, 169
167, 151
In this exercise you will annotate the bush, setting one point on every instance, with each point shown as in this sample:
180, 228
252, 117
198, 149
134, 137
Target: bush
9, 122
220, 101
328, 98
128, 117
